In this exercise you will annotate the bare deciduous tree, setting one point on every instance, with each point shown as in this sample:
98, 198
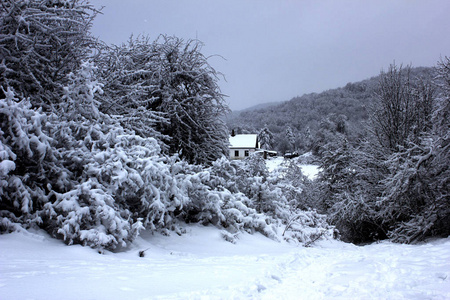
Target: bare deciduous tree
41, 42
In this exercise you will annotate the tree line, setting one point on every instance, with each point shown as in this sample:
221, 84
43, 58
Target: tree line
383, 148
393, 183
303, 123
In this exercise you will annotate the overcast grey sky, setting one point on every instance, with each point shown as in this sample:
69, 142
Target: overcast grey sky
279, 49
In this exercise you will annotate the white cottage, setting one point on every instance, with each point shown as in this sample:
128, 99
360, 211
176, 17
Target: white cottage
242, 145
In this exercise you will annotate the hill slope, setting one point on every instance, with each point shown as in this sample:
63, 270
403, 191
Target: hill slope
304, 114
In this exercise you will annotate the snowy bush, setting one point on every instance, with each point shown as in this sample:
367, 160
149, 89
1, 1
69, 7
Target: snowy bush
290, 178
295, 207
272, 200
253, 182
307, 227
121, 184
215, 200
88, 215
27, 161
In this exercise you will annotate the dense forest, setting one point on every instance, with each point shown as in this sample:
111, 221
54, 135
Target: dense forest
99, 142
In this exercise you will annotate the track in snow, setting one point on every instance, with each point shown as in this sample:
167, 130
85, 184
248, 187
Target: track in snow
200, 265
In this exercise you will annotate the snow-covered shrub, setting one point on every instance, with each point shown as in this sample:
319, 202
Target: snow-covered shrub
215, 199
294, 206
253, 182
307, 227
120, 183
289, 177
27, 161
79, 208
225, 174
268, 200
88, 215
79, 100
238, 216
139, 179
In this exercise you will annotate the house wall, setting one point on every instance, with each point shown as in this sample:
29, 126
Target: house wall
241, 152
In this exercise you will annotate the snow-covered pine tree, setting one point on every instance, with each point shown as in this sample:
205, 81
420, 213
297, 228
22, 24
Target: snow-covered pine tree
290, 136
265, 138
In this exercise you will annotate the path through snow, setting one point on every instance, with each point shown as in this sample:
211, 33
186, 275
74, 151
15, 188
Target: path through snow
200, 265
380, 271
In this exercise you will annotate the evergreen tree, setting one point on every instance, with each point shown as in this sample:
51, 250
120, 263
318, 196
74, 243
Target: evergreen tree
265, 138
290, 136
337, 174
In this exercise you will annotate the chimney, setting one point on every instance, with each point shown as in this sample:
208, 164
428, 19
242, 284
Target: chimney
232, 132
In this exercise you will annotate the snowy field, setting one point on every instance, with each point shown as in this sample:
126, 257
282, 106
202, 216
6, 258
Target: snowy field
201, 265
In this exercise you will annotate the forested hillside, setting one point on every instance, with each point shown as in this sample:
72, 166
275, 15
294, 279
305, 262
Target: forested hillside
306, 115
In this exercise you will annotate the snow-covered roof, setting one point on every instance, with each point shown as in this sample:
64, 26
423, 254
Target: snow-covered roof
244, 141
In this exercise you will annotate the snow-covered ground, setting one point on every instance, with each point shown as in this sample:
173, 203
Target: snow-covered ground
201, 265
308, 170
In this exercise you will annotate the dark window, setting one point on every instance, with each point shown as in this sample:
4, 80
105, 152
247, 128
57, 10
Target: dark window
247, 153
236, 153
